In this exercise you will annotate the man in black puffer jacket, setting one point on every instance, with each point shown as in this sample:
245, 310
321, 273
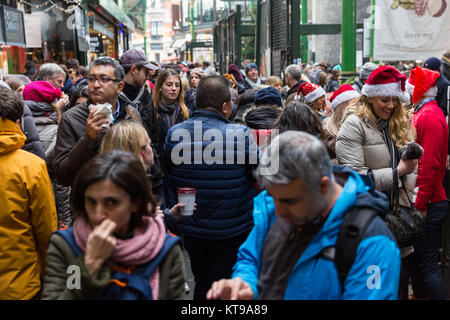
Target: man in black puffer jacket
135, 93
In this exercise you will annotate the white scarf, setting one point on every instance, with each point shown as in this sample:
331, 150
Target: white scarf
253, 84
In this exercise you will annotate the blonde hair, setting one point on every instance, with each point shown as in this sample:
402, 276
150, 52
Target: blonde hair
399, 122
273, 81
128, 136
162, 77
338, 116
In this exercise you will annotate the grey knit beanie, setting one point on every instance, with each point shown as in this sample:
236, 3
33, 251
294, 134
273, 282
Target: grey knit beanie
366, 70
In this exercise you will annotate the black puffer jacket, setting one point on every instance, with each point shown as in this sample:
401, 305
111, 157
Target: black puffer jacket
33, 143
144, 104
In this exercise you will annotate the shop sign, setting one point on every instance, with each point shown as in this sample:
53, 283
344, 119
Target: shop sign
102, 29
96, 43
13, 24
80, 24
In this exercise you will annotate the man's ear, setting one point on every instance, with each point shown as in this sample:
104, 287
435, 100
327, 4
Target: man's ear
120, 86
324, 185
227, 108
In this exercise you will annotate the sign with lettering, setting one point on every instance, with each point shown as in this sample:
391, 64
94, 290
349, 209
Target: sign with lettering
96, 43
13, 24
80, 23
411, 30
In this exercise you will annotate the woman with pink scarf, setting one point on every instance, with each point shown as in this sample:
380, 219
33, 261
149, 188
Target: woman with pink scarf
117, 233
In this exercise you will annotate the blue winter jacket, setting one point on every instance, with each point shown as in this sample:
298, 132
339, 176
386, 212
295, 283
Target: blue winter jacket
375, 273
225, 191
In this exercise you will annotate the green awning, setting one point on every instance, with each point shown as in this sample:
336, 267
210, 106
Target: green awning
113, 9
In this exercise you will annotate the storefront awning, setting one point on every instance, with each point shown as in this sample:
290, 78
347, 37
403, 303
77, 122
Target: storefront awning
12, 23
113, 9
177, 44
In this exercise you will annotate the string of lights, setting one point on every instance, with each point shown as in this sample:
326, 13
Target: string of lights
51, 4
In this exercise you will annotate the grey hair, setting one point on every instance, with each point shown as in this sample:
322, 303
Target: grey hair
294, 71
51, 70
294, 155
119, 72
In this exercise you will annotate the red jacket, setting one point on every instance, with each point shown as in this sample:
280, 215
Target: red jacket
432, 134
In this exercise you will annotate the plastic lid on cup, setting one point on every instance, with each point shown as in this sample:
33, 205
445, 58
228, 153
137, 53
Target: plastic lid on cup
186, 190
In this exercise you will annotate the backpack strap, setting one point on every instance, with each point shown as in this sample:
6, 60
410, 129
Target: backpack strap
355, 224
133, 114
149, 268
68, 235
138, 280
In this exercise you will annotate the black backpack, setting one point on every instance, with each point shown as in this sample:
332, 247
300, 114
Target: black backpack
355, 224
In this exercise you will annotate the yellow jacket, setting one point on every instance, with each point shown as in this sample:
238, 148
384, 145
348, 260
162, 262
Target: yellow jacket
27, 215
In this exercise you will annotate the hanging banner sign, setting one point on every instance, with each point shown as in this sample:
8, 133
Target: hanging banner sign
411, 29
33, 30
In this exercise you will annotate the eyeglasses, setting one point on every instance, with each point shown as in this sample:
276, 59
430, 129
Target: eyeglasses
102, 80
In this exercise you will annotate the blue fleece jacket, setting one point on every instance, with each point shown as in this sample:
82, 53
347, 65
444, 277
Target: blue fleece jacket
375, 272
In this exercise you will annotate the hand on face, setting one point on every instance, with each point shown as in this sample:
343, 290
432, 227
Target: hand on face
100, 245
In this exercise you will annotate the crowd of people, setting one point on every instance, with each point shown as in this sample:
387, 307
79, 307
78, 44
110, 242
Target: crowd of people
94, 159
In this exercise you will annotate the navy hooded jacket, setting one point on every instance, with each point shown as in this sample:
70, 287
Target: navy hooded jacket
205, 155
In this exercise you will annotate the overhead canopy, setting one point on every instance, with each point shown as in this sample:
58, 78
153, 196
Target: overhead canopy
178, 43
113, 9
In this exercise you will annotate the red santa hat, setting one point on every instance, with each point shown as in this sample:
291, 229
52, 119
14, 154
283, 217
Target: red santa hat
344, 93
422, 83
386, 82
310, 91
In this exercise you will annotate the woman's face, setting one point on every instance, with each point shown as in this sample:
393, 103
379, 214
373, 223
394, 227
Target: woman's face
319, 104
105, 200
383, 107
195, 79
278, 87
147, 154
170, 89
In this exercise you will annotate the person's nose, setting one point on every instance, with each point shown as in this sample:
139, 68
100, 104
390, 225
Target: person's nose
390, 104
99, 213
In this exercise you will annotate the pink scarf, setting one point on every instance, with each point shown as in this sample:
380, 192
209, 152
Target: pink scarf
141, 248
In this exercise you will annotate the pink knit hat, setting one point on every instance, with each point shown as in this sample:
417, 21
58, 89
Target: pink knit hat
41, 91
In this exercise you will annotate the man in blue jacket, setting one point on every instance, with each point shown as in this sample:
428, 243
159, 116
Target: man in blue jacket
216, 157
296, 218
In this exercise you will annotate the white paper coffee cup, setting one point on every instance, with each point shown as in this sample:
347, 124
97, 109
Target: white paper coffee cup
187, 196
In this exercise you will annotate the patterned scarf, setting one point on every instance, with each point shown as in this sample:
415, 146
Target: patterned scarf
383, 126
